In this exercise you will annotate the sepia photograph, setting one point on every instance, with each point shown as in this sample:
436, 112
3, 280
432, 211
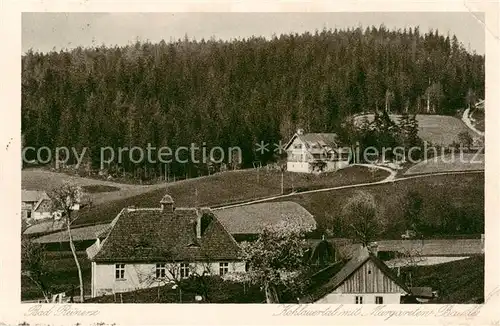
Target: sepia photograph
253, 158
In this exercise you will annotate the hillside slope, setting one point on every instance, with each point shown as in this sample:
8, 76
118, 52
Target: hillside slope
232, 186
460, 281
452, 204
436, 129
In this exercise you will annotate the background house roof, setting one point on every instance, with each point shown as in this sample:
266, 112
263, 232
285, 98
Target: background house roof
163, 235
316, 143
319, 139
252, 219
78, 234
421, 291
45, 226
33, 195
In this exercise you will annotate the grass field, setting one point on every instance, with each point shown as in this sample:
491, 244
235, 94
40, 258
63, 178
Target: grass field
62, 275
448, 163
436, 129
230, 187
92, 189
446, 199
460, 281
100, 191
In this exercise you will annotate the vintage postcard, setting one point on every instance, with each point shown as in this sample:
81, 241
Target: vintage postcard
243, 163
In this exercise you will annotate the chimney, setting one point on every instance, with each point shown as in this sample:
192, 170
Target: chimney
300, 131
167, 203
373, 248
199, 214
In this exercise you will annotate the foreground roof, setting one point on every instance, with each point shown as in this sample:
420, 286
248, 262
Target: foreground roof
150, 234
343, 270
252, 219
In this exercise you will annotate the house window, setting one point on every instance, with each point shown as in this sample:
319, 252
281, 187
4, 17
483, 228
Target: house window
120, 271
359, 299
184, 270
223, 268
379, 300
161, 271
297, 146
29, 214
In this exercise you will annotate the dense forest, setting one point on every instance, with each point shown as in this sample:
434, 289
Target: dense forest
240, 92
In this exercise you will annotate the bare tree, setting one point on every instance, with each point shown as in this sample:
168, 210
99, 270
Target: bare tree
434, 94
65, 198
34, 266
361, 214
410, 260
470, 98
389, 97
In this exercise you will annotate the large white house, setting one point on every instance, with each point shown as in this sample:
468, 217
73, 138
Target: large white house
315, 152
149, 247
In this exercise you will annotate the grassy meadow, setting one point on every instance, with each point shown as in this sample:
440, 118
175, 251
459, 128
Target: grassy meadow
230, 187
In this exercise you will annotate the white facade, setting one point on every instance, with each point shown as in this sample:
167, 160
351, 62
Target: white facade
41, 215
300, 160
366, 298
336, 165
297, 160
298, 167
107, 278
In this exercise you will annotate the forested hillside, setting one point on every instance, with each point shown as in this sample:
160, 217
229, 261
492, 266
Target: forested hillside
240, 92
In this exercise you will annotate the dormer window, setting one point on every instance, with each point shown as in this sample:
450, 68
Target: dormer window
142, 244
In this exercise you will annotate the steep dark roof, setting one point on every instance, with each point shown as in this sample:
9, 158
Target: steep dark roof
346, 270
252, 219
141, 235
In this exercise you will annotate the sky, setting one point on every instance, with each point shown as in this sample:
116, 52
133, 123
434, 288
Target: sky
55, 31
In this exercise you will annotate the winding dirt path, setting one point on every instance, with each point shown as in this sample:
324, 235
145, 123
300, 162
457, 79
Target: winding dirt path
468, 122
391, 178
